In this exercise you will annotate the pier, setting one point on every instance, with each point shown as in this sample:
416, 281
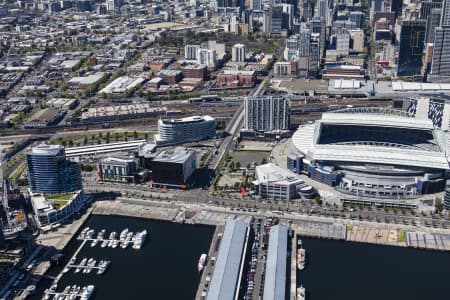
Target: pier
430, 241
293, 290
309, 226
55, 282
73, 293
320, 229
207, 270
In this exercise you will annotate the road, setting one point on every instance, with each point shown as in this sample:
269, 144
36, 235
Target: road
234, 126
302, 207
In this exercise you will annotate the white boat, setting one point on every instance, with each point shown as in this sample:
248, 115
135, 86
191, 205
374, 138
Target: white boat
82, 264
101, 234
301, 257
202, 262
139, 240
115, 243
129, 236
301, 293
90, 233
102, 266
83, 233
112, 238
66, 269
123, 234
87, 293
72, 260
94, 243
104, 243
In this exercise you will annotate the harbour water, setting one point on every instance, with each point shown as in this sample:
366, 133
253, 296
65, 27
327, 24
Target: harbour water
354, 271
165, 268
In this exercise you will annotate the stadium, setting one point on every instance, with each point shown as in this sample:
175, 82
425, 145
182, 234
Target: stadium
373, 152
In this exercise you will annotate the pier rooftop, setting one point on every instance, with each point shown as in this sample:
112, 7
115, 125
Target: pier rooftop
227, 270
275, 281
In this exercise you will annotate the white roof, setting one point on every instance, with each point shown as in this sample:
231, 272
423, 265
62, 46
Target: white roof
90, 79
47, 149
188, 119
346, 84
303, 141
271, 173
383, 118
122, 84
419, 86
381, 155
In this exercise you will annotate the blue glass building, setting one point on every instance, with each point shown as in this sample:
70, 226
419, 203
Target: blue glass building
50, 172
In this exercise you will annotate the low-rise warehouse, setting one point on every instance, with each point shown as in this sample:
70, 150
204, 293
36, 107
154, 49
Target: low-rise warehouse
275, 282
229, 261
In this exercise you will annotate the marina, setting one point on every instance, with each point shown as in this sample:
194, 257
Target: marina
149, 271
100, 242
87, 265
125, 238
70, 293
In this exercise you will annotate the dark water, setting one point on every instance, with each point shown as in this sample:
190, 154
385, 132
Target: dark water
351, 271
165, 268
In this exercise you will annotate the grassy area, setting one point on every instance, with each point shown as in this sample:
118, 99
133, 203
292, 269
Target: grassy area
401, 236
17, 172
59, 200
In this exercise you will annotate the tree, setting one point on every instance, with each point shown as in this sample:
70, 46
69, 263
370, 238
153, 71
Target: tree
318, 200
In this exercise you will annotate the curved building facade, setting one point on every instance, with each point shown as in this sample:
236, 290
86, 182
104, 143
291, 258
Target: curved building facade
190, 129
447, 196
50, 172
373, 152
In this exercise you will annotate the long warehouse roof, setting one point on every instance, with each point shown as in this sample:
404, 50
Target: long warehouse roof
228, 264
275, 282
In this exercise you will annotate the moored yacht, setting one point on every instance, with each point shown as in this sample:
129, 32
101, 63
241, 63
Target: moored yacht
301, 293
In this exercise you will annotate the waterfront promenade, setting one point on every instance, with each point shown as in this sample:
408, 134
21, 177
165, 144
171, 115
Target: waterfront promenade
304, 225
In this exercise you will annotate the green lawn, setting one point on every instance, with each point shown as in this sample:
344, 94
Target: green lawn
59, 200
401, 236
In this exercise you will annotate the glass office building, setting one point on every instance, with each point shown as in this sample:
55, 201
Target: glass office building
50, 172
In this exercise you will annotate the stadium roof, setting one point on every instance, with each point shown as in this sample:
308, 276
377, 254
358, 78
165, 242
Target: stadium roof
305, 138
228, 265
381, 155
275, 282
379, 117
